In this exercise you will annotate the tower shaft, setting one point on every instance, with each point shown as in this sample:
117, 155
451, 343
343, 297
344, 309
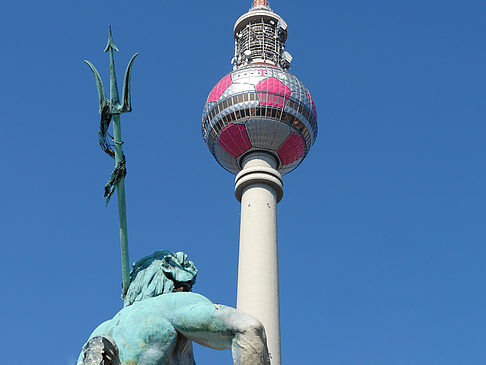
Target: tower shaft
259, 188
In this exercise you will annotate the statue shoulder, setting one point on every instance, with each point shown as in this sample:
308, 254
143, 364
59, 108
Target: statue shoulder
181, 299
166, 303
190, 297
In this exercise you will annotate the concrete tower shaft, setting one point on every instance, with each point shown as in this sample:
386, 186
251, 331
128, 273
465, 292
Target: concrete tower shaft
259, 187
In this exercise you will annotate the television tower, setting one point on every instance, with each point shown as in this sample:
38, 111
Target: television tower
259, 123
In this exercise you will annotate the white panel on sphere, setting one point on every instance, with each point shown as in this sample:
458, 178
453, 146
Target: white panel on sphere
225, 159
266, 134
291, 166
238, 88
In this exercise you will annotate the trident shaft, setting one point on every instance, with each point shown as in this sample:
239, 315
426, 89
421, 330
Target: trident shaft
110, 109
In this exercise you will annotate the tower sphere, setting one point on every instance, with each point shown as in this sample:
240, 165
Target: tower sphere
260, 107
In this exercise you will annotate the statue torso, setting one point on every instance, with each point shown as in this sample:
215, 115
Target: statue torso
147, 325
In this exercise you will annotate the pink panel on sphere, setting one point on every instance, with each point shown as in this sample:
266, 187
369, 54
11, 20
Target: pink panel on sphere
274, 86
234, 139
312, 102
292, 149
220, 88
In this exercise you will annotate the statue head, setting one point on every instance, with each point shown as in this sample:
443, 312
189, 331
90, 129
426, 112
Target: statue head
160, 273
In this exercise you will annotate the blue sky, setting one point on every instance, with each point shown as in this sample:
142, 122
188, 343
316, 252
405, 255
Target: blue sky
381, 229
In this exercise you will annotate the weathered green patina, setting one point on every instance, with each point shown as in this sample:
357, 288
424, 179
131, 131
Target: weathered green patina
161, 318
110, 109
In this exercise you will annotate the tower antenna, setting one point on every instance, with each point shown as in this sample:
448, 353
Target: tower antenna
260, 3
110, 109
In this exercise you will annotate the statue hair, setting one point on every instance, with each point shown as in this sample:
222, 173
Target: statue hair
158, 274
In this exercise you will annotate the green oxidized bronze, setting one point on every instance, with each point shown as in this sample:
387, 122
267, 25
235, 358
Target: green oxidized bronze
162, 317
110, 109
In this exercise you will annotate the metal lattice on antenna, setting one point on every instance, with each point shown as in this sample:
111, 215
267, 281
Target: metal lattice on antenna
110, 110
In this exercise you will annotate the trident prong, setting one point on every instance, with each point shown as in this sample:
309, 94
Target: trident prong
126, 99
110, 109
99, 85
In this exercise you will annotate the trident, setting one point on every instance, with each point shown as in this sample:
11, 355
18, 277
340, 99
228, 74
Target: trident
111, 109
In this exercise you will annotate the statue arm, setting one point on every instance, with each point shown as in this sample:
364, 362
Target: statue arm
221, 327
